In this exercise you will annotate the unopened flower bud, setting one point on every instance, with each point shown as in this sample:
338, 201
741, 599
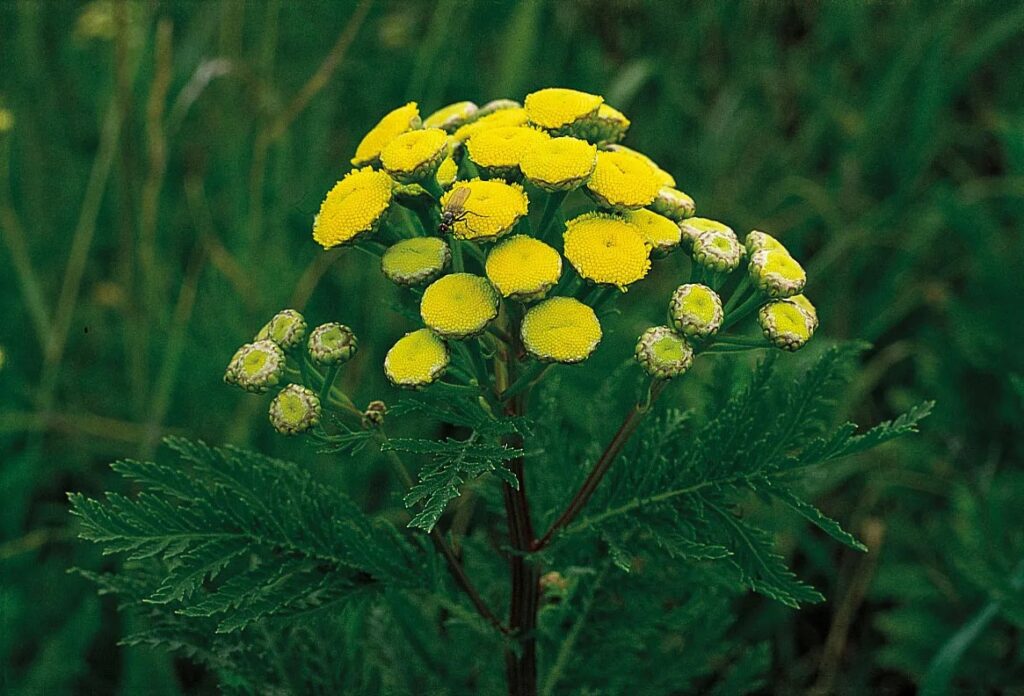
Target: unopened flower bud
715, 248
757, 240
608, 125
287, 329
452, 116
673, 204
373, 416
663, 353
416, 261
256, 367
776, 273
332, 344
294, 410
696, 310
787, 324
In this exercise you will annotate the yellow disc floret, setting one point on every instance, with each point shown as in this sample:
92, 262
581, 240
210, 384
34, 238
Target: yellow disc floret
622, 182
556, 107
447, 172
459, 305
523, 268
415, 261
658, 231
786, 324
560, 164
353, 207
491, 210
417, 359
664, 177
451, 117
414, 155
499, 150
561, 329
606, 249
510, 116
402, 119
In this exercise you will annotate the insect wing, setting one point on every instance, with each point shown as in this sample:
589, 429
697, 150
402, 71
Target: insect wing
457, 200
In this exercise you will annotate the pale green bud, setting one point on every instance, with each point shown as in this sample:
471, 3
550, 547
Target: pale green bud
287, 329
256, 367
332, 344
663, 353
294, 410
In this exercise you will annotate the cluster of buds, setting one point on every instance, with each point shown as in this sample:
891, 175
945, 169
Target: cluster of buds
261, 365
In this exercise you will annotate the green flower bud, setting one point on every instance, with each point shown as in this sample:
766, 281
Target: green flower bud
412, 196
717, 249
673, 204
416, 261
776, 273
373, 416
256, 367
452, 116
787, 324
332, 344
696, 310
663, 353
808, 308
757, 240
494, 105
294, 410
693, 227
286, 329
608, 125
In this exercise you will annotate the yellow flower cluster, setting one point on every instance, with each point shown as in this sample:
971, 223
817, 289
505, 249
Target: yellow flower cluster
475, 194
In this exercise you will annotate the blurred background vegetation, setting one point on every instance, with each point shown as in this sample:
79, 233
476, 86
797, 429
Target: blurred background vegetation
160, 164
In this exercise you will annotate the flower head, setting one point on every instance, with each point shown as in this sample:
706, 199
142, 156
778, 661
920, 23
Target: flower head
693, 227
459, 305
696, 310
415, 261
606, 249
786, 323
523, 268
402, 119
509, 115
559, 164
555, 107
757, 240
714, 248
447, 172
663, 353
416, 360
776, 273
561, 329
332, 344
664, 178
352, 208
415, 155
622, 182
808, 308
608, 125
673, 204
294, 410
450, 117
658, 231
256, 367
492, 209
287, 328
496, 105
499, 150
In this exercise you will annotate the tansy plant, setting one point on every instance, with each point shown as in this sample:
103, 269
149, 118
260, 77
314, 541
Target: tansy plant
513, 231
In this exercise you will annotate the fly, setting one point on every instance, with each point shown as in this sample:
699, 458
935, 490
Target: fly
455, 210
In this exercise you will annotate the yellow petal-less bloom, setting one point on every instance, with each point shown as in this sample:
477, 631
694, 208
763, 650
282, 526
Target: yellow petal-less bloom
459, 305
402, 119
808, 308
523, 268
776, 273
447, 172
786, 324
719, 251
451, 117
696, 310
658, 231
608, 125
606, 249
415, 261
663, 353
492, 209
664, 177
499, 150
352, 208
417, 359
414, 155
510, 116
560, 329
622, 182
555, 107
673, 204
559, 164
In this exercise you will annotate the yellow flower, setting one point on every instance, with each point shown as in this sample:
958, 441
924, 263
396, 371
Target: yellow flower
606, 249
673, 204
447, 172
414, 155
664, 177
459, 305
402, 119
492, 209
776, 273
808, 308
559, 164
523, 268
696, 310
510, 116
608, 125
499, 150
554, 108
353, 207
416, 360
622, 182
451, 117
663, 353
561, 329
658, 231
757, 240
415, 261
786, 324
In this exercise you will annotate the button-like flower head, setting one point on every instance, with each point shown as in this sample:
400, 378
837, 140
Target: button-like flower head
622, 182
294, 410
523, 268
663, 353
332, 344
606, 249
787, 323
416, 360
415, 155
608, 125
415, 261
510, 115
459, 305
715, 245
660, 233
757, 240
556, 108
560, 329
256, 367
450, 117
492, 209
287, 328
663, 177
353, 208
673, 204
559, 164
402, 119
776, 273
498, 151
696, 310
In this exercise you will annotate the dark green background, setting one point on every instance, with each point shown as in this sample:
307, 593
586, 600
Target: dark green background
156, 197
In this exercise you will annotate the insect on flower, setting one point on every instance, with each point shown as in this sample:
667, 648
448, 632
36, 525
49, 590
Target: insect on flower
454, 210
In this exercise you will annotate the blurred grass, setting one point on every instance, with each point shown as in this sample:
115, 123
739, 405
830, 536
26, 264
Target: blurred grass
166, 159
